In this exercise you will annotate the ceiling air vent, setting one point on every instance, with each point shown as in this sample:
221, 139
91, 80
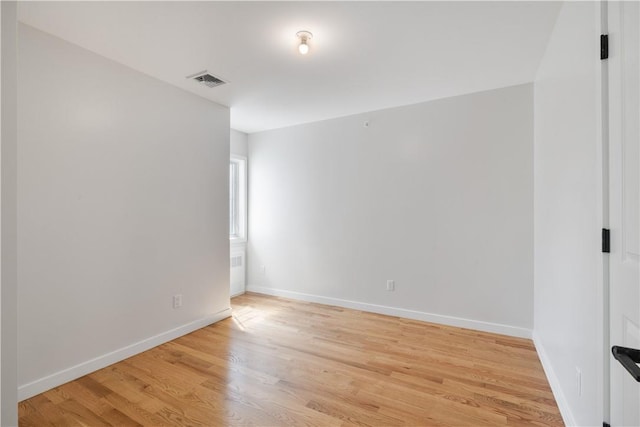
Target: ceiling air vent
207, 79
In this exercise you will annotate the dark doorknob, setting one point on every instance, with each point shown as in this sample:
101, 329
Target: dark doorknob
628, 357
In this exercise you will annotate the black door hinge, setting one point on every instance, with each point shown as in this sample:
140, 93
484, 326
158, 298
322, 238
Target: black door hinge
606, 242
604, 46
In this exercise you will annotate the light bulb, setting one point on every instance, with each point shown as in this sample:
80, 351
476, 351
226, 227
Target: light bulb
304, 37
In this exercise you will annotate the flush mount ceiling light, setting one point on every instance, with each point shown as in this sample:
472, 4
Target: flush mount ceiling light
304, 37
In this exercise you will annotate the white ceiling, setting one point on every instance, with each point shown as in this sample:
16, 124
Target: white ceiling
364, 56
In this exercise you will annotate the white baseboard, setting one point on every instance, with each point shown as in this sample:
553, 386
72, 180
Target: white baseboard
38, 386
554, 382
496, 328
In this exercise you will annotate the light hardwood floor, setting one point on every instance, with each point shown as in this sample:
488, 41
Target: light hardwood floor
283, 362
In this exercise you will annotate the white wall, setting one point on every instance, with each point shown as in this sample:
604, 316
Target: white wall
568, 263
239, 143
123, 202
437, 196
8, 296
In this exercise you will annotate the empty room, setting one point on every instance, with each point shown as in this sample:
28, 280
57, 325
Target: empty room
320, 213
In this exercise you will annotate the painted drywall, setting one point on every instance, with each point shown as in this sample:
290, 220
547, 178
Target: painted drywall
239, 143
8, 296
122, 203
364, 55
568, 263
437, 196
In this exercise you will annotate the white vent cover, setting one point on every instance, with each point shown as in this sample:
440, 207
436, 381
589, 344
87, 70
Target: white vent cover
207, 79
236, 261
237, 272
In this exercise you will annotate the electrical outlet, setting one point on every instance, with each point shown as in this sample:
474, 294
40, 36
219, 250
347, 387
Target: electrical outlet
177, 301
391, 285
579, 381
263, 269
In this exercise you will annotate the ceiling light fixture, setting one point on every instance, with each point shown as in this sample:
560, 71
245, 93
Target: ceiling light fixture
304, 37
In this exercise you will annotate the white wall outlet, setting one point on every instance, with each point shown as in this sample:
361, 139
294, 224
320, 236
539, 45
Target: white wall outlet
177, 301
263, 269
578, 381
391, 285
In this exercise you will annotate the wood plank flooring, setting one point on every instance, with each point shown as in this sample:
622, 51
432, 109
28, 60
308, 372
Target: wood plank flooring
282, 362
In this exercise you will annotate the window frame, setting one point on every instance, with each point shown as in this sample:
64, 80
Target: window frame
240, 206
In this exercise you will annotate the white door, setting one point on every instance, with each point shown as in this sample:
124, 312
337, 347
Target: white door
624, 178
